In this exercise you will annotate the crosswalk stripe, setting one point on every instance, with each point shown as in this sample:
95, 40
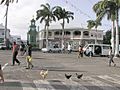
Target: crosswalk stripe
99, 81
43, 85
74, 85
110, 79
4, 66
100, 84
27, 86
117, 75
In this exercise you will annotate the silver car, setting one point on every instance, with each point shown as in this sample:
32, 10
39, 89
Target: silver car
54, 49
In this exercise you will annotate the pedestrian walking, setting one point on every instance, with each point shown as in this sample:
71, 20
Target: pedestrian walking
63, 48
29, 57
1, 75
22, 48
80, 51
111, 55
90, 51
69, 49
15, 53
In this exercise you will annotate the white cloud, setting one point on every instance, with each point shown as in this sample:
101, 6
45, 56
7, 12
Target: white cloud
19, 15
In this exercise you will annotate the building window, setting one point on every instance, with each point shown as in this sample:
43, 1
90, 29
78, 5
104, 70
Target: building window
99, 35
49, 33
77, 33
56, 33
67, 33
92, 34
18, 39
60, 32
86, 33
3, 33
32, 39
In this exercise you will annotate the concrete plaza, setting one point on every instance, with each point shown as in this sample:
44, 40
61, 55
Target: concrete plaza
97, 75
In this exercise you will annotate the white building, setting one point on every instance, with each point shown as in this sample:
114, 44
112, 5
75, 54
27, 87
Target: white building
74, 36
2, 33
16, 38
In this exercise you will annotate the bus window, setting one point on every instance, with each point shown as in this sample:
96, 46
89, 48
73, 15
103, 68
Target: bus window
106, 47
98, 50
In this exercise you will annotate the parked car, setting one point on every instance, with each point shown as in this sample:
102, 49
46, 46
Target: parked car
2, 46
53, 49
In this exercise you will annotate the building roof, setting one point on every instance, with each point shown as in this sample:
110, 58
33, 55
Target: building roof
1, 26
56, 27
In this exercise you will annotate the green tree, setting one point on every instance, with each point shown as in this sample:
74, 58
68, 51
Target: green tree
63, 15
7, 2
107, 37
106, 8
91, 24
47, 15
117, 2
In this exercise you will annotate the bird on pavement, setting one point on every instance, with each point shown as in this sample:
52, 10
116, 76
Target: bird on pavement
44, 73
79, 76
68, 76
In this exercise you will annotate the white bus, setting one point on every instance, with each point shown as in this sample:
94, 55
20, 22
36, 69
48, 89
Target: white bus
96, 49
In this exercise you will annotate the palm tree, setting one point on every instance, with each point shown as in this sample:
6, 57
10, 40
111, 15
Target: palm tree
47, 15
117, 2
103, 8
7, 2
91, 24
63, 15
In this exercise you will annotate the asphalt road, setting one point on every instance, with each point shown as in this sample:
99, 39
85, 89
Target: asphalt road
97, 75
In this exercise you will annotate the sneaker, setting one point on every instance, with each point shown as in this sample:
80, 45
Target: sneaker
19, 64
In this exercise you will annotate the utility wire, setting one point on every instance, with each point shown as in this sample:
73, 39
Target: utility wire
77, 9
80, 11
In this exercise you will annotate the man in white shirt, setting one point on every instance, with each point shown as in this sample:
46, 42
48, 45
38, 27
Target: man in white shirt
69, 48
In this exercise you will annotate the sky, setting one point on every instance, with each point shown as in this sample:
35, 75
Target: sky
21, 13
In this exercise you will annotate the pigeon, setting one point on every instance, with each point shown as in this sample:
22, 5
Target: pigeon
79, 76
68, 76
44, 74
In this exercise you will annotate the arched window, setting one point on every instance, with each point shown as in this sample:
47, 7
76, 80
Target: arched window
56, 33
86, 33
67, 33
77, 33
49, 33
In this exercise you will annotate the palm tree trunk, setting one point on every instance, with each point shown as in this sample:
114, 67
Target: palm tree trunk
62, 33
96, 36
6, 25
47, 37
113, 37
117, 38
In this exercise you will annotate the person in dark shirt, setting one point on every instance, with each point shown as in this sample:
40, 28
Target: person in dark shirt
15, 53
29, 56
22, 48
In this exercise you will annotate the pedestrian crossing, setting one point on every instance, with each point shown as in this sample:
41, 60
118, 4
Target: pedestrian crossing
99, 82
94, 82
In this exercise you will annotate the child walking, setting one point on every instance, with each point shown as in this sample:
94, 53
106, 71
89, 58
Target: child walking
29, 57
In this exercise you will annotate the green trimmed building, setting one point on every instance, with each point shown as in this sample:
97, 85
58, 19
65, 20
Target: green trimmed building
32, 34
